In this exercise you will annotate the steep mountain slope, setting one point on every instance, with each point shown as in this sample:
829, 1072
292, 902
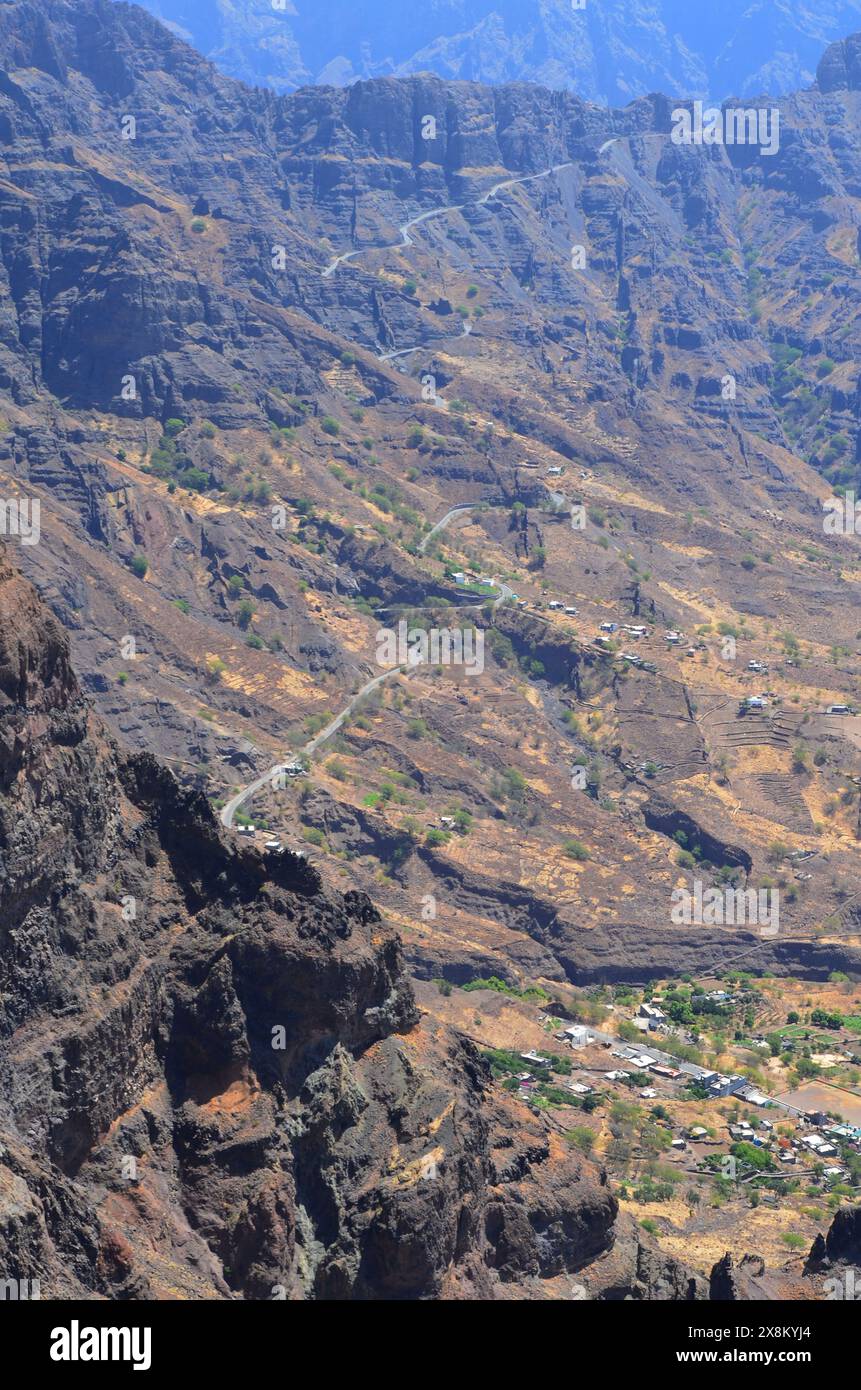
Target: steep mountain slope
242, 389
606, 52
213, 1079
280, 373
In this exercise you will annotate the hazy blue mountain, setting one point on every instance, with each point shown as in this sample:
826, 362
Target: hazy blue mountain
609, 51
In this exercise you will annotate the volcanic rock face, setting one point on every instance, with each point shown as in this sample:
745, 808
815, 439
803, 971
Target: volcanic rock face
731, 1282
213, 1080
841, 1244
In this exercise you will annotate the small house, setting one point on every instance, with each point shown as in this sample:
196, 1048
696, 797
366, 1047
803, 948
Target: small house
536, 1060
652, 1014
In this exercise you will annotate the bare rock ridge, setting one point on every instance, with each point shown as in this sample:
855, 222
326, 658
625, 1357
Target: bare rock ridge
829, 1271
213, 1079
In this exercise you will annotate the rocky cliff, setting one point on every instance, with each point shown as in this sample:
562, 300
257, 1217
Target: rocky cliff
214, 1082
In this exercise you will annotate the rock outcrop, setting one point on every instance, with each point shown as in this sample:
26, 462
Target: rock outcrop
214, 1082
841, 1244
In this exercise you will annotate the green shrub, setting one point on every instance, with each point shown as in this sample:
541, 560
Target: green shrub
575, 849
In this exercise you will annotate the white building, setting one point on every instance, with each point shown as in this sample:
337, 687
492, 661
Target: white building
652, 1014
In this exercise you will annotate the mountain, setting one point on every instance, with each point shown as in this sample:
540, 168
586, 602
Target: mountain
214, 1079
609, 52
214, 1082
280, 372
238, 466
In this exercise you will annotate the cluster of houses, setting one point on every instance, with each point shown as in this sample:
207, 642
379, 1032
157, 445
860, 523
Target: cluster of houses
652, 1017
463, 577
527, 1082
821, 1142
540, 1067
848, 1134
643, 1062
819, 1145
272, 845
743, 1131
719, 1086
818, 1139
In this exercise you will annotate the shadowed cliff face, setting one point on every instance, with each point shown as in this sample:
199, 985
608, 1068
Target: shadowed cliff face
214, 1082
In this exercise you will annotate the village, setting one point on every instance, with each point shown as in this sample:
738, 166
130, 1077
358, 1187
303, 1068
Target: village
686, 1143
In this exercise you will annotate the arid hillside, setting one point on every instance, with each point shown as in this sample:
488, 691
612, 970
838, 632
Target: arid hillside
214, 1081
254, 349
438, 486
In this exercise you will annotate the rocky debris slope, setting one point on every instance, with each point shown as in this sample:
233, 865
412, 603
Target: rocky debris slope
835, 1257
213, 1080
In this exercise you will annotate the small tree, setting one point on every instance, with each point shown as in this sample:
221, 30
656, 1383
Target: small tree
581, 1138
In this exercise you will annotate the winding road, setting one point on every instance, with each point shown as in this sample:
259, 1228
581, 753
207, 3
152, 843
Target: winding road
228, 811
405, 352
406, 240
504, 591
405, 227
441, 525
